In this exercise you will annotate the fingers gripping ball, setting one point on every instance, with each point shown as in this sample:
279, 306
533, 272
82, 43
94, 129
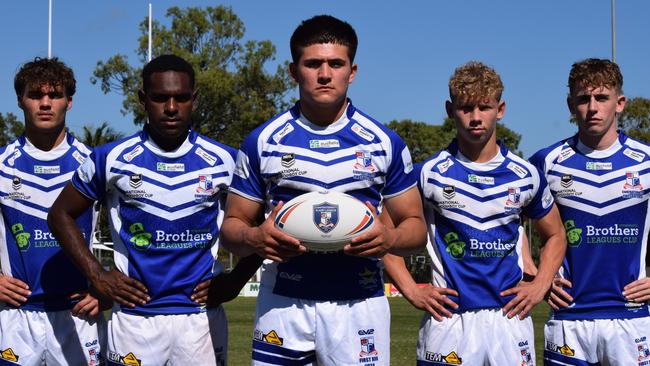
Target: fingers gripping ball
324, 221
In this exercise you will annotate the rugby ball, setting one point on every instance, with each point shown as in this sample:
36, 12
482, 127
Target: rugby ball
324, 221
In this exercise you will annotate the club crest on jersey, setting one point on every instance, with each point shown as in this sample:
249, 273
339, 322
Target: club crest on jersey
455, 247
205, 190
140, 238
642, 349
632, 187
363, 168
451, 358
22, 237
513, 203
288, 159
326, 216
448, 192
135, 180
16, 183
129, 359
9, 355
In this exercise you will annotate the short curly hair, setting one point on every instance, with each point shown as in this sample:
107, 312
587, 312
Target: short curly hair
595, 73
45, 71
475, 81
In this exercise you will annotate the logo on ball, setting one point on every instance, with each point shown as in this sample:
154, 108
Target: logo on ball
326, 216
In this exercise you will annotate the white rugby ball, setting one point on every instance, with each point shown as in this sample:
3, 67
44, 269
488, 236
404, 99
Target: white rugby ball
324, 221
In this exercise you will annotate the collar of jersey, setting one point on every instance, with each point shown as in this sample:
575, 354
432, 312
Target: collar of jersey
185, 147
599, 154
38, 154
491, 164
333, 127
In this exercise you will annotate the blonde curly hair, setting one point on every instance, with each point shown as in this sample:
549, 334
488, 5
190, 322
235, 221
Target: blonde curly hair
475, 81
595, 73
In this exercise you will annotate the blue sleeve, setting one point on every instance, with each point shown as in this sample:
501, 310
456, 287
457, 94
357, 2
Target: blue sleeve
400, 175
247, 180
542, 202
90, 178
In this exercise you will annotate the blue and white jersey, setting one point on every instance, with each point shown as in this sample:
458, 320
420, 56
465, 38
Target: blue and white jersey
288, 156
603, 201
473, 214
30, 182
165, 210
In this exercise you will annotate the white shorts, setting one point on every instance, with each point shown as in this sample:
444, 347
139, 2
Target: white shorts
30, 337
177, 339
290, 331
615, 342
480, 337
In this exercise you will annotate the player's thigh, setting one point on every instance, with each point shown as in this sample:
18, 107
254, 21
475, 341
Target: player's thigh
508, 341
570, 342
355, 332
447, 342
201, 339
624, 341
22, 337
72, 340
284, 331
141, 340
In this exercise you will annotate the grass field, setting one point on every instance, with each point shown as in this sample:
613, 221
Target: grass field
405, 324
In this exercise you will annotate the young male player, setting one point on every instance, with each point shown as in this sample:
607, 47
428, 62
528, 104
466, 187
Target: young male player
474, 192
163, 187
325, 309
599, 178
47, 317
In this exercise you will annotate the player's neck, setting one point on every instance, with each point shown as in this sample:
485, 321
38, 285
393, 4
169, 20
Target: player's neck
479, 152
323, 115
602, 142
45, 140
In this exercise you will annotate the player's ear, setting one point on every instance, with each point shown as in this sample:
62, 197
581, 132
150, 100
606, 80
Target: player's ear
501, 109
142, 96
449, 107
569, 104
353, 74
293, 71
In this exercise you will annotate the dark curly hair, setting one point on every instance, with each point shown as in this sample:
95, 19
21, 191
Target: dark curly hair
43, 71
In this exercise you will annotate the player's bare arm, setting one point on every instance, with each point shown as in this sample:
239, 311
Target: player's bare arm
407, 237
112, 284
13, 291
241, 235
430, 298
529, 294
226, 286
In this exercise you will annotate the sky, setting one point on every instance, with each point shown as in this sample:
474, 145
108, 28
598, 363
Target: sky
407, 51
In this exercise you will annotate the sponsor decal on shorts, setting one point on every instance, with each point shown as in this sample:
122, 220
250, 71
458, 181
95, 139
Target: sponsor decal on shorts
644, 351
94, 358
563, 350
9, 355
451, 358
129, 359
526, 357
368, 354
271, 337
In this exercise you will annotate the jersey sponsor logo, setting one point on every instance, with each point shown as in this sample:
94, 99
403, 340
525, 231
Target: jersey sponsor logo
368, 278
450, 358
9, 355
595, 165
444, 166
491, 249
21, 237
16, 183
524, 351
47, 169
563, 350
13, 157
205, 156
455, 247
356, 128
324, 144
133, 153
78, 157
517, 169
565, 154
290, 276
287, 160
170, 167
635, 155
187, 239
326, 216
573, 233
632, 187
287, 129
271, 337
363, 168
473, 178
140, 238
129, 359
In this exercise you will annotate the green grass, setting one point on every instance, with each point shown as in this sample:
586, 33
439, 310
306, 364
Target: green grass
405, 323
